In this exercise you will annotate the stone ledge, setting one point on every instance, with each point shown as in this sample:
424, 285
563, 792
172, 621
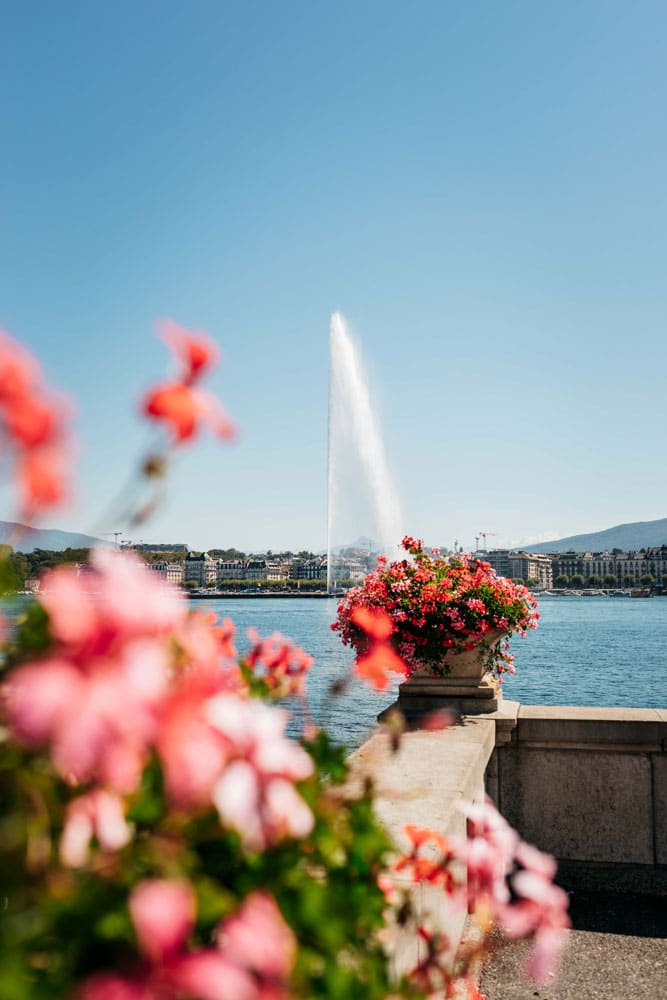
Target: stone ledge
578, 727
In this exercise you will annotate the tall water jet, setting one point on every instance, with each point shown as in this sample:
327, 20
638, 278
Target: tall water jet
354, 437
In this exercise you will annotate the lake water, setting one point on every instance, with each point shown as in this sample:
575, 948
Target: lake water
603, 651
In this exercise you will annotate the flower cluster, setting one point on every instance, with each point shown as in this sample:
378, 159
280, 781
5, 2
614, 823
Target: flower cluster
435, 604
33, 421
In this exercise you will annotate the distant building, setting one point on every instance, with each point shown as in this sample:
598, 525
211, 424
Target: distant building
308, 569
230, 569
521, 566
171, 572
624, 566
201, 569
277, 569
256, 569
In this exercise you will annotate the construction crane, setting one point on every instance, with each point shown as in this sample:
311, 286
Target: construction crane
116, 536
485, 535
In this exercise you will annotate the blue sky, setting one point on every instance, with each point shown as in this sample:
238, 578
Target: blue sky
479, 187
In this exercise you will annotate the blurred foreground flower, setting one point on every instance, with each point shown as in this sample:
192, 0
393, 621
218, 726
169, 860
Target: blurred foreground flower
180, 404
33, 423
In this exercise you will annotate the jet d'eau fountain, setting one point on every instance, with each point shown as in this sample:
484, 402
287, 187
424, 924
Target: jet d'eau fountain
361, 494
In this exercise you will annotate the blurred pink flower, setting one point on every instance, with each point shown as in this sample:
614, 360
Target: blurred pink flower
498, 859
258, 938
97, 814
255, 794
163, 913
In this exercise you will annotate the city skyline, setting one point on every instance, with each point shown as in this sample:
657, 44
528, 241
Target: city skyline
479, 190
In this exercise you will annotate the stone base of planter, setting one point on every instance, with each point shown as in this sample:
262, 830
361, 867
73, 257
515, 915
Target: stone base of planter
463, 696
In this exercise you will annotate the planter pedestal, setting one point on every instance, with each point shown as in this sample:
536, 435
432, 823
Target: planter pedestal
467, 689
463, 695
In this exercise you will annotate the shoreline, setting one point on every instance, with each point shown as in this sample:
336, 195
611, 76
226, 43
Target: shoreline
261, 595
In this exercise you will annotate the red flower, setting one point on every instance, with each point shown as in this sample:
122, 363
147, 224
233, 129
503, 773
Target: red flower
177, 403
375, 622
34, 424
193, 349
373, 666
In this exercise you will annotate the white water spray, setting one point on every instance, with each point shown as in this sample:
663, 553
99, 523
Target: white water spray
354, 434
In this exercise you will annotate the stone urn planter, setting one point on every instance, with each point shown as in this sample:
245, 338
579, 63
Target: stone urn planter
467, 688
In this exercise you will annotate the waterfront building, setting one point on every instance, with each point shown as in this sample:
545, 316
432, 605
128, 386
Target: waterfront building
624, 566
308, 569
202, 569
171, 572
277, 569
524, 566
256, 569
230, 569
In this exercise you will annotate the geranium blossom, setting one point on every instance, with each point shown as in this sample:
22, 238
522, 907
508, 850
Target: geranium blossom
181, 404
378, 658
282, 665
33, 422
255, 794
97, 814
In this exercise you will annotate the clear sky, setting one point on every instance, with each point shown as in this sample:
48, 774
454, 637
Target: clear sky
480, 187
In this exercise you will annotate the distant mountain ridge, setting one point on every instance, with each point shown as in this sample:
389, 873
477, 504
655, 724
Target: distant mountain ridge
634, 535
26, 539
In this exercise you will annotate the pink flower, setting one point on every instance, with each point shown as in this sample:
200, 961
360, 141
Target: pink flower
97, 814
258, 938
192, 752
255, 794
163, 914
